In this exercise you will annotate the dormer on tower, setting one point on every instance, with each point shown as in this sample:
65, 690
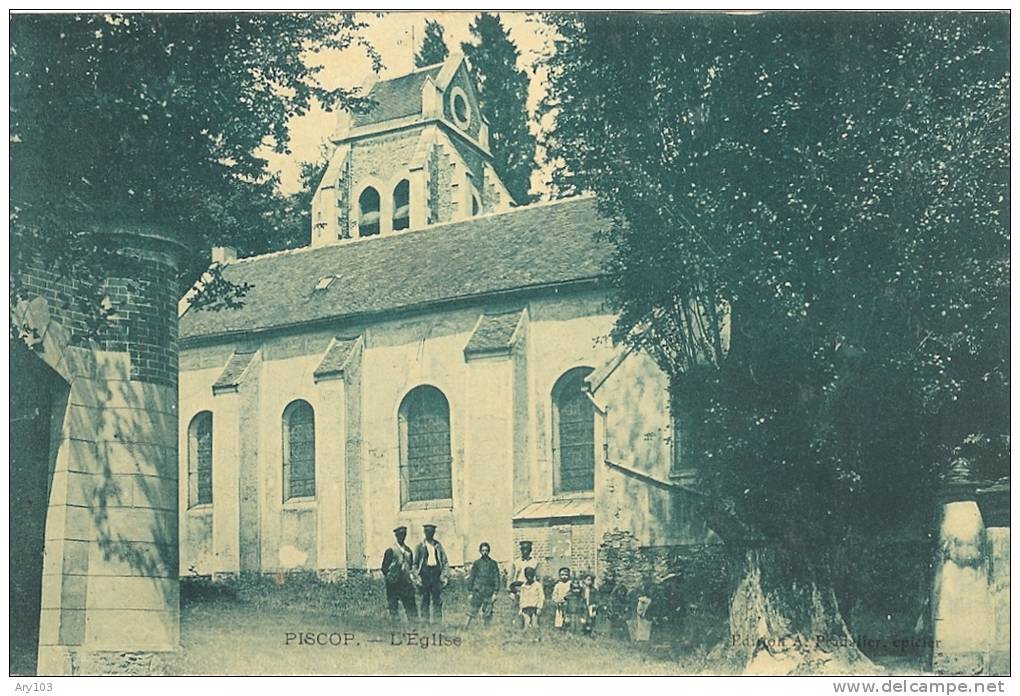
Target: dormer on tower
420, 156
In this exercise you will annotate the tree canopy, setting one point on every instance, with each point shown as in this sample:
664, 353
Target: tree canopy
433, 46
161, 118
503, 88
812, 239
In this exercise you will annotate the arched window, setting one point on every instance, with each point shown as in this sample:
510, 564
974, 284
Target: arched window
298, 450
368, 212
573, 433
200, 454
476, 205
425, 461
402, 205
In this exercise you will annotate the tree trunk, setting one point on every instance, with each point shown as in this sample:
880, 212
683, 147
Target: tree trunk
784, 619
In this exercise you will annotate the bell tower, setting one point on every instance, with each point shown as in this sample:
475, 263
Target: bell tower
419, 156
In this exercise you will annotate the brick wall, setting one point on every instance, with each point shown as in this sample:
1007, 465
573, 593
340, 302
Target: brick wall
133, 310
571, 545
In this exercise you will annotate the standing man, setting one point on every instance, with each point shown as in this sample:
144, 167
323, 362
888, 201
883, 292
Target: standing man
483, 583
396, 567
517, 578
430, 565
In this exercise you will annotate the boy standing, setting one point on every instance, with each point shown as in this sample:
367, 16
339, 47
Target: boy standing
532, 598
483, 584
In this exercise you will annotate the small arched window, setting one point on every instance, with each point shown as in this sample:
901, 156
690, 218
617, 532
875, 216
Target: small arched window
573, 433
402, 205
368, 212
425, 460
200, 454
298, 450
476, 205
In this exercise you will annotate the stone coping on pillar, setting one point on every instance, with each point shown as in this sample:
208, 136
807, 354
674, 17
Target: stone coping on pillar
152, 233
994, 504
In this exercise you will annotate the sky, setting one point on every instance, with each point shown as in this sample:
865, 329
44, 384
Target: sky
391, 35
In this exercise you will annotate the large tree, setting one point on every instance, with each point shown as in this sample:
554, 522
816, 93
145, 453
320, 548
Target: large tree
433, 46
493, 55
812, 239
161, 118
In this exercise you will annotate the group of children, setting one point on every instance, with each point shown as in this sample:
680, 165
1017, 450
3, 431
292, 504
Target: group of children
573, 600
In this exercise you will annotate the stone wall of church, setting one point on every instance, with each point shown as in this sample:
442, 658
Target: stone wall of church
636, 491
500, 415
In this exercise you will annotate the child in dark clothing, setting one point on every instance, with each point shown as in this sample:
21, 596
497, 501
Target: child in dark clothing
483, 584
575, 609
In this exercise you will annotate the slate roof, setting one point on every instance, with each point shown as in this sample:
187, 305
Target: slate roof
397, 97
537, 245
335, 360
234, 370
493, 333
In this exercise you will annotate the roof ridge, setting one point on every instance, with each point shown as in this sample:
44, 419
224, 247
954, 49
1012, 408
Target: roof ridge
406, 233
422, 69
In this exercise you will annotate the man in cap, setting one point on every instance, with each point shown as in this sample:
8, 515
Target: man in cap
430, 564
396, 567
516, 577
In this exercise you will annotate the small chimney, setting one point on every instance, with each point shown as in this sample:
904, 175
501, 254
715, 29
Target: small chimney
224, 254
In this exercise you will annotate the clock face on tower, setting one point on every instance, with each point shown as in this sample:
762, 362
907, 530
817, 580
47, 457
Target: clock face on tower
460, 107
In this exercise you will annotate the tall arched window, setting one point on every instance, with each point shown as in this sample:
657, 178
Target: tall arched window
573, 433
298, 450
425, 461
402, 205
368, 212
200, 454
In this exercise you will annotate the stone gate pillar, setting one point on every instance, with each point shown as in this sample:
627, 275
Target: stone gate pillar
961, 611
994, 503
110, 597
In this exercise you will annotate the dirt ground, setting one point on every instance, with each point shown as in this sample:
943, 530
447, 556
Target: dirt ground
223, 637
226, 637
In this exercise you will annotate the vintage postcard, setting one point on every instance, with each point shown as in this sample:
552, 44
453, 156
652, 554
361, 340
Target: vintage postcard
516, 343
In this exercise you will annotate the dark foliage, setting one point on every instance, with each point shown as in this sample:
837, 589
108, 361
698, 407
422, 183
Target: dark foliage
503, 91
433, 46
812, 240
157, 118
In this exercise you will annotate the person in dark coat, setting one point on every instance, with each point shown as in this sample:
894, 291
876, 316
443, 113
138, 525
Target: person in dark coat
483, 584
396, 568
431, 566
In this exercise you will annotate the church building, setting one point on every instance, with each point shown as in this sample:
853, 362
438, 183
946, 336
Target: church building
436, 354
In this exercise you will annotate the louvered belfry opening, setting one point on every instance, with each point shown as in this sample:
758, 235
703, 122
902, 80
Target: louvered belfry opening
368, 212
402, 205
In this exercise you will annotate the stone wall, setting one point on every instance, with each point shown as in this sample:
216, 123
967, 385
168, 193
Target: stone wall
109, 580
970, 594
498, 405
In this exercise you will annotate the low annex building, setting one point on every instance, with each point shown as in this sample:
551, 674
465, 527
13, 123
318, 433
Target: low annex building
436, 354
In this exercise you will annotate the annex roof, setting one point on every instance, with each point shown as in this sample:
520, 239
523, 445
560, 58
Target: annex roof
529, 247
555, 509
